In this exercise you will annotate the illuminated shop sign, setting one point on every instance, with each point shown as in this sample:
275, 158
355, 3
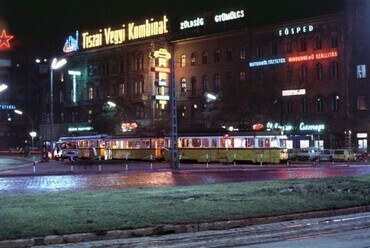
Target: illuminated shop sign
131, 31
301, 127
192, 23
313, 56
71, 44
232, 15
267, 62
295, 30
4, 39
294, 92
223, 17
6, 106
79, 129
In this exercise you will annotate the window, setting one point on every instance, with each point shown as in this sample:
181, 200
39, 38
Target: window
205, 83
304, 105
91, 93
193, 59
229, 54
204, 58
288, 46
289, 73
216, 56
318, 69
242, 53
139, 86
289, 107
361, 103
193, 86
303, 73
183, 85
217, 82
89, 116
318, 42
242, 76
121, 89
274, 49
259, 51
319, 104
183, 60
228, 76
335, 103
361, 71
303, 44
334, 41
334, 70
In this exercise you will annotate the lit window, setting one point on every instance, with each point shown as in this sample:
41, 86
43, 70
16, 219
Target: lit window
361, 71
242, 76
242, 53
193, 59
183, 85
91, 93
183, 60
121, 89
361, 103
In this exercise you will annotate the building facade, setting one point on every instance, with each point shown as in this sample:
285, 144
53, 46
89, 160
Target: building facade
305, 77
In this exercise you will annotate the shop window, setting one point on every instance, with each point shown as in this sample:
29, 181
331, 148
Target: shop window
361, 71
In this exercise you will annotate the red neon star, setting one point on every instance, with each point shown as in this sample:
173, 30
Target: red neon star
4, 39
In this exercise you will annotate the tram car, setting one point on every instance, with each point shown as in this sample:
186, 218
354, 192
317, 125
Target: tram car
259, 147
82, 147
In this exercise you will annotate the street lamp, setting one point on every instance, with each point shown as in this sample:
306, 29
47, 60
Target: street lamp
55, 65
3, 87
32, 133
114, 105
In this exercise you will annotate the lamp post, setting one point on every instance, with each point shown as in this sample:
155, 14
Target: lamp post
114, 105
32, 133
3, 87
55, 65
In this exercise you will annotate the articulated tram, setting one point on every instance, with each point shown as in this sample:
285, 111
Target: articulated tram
256, 147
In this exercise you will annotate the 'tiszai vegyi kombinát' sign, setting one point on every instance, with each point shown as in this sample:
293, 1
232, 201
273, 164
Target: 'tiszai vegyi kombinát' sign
131, 31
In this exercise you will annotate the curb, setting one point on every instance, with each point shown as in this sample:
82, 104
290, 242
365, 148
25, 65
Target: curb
172, 229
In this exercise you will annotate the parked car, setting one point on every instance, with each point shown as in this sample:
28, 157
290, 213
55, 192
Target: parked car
308, 154
343, 155
326, 155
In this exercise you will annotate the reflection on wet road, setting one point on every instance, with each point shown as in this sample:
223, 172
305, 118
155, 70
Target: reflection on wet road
41, 184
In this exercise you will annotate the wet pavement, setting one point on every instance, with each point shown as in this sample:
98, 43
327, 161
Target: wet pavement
55, 176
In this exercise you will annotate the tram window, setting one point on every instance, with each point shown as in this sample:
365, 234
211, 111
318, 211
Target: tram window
205, 142
114, 144
274, 142
267, 143
185, 143
136, 144
223, 142
195, 142
249, 142
238, 142
213, 143
260, 143
93, 143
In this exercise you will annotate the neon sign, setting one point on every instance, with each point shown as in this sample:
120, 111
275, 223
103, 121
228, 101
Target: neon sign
295, 30
267, 62
313, 56
301, 127
232, 15
4, 39
71, 44
109, 36
294, 92
192, 23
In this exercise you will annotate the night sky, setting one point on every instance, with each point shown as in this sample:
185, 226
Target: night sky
43, 25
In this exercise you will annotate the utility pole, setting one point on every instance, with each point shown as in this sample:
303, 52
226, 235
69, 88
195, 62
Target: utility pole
174, 151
